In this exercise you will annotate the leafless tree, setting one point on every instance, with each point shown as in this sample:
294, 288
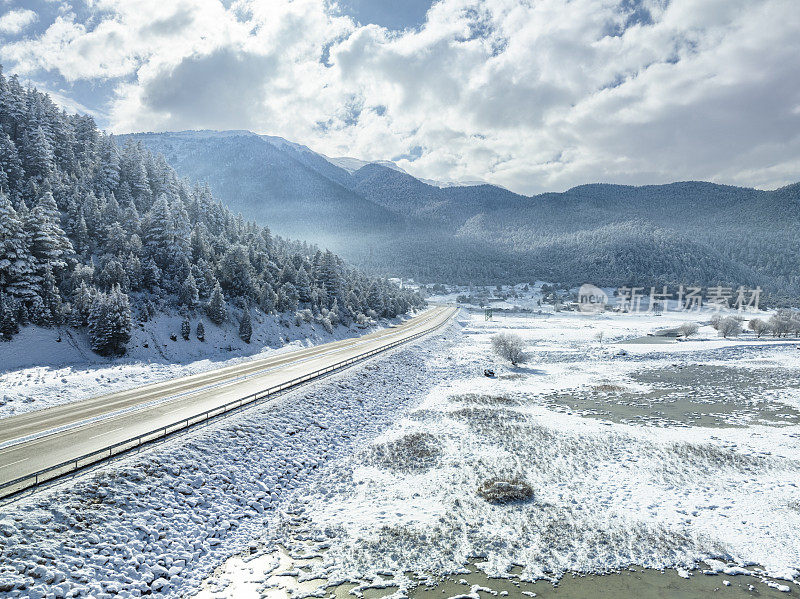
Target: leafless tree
729, 327
758, 326
687, 329
780, 323
510, 347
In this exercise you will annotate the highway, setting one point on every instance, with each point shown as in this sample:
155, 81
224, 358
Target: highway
35, 441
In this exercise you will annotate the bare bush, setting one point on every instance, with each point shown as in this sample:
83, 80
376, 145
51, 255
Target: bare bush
413, 452
780, 323
687, 329
496, 490
729, 327
509, 347
758, 326
608, 388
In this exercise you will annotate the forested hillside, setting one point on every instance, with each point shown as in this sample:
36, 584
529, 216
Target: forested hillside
683, 233
297, 192
95, 236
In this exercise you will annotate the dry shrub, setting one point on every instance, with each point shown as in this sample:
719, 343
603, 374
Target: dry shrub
484, 400
500, 491
413, 452
512, 376
607, 388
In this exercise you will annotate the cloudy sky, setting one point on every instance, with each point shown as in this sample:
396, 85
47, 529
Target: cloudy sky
535, 95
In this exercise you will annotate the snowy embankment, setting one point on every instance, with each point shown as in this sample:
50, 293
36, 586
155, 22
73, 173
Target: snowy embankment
605, 494
160, 521
38, 371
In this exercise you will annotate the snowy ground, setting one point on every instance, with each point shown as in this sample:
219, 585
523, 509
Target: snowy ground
676, 454
37, 371
691, 462
161, 521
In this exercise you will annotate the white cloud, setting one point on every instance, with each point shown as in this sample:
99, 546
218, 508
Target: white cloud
533, 96
16, 21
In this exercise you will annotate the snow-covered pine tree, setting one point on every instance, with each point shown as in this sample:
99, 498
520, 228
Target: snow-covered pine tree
188, 295
186, 329
82, 301
110, 323
8, 321
11, 173
217, 309
375, 299
38, 161
303, 285
17, 272
201, 332
245, 325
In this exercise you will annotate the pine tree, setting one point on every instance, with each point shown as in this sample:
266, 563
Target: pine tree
186, 329
375, 299
188, 295
17, 273
51, 297
217, 309
8, 321
330, 276
11, 173
48, 242
108, 168
235, 273
303, 286
38, 155
245, 326
82, 301
110, 323
201, 332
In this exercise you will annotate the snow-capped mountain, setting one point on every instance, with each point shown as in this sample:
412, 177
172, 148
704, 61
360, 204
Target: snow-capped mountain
380, 216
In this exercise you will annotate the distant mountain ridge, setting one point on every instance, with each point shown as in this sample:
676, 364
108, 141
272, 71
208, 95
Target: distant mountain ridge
383, 218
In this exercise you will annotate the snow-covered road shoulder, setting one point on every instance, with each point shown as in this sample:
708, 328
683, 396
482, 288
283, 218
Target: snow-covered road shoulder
162, 520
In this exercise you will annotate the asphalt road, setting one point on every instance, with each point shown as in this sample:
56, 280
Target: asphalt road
44, 438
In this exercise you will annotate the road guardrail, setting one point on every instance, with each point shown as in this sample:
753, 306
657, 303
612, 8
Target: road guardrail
73, 465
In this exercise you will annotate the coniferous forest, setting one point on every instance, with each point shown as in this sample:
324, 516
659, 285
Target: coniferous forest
97, 237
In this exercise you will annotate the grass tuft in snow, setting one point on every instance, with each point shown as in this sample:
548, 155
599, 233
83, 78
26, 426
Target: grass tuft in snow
499, 491
413, 452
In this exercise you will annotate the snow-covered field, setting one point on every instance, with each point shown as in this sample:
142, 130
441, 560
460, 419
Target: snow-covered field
669, 454
37, 371
160, 521
608, 492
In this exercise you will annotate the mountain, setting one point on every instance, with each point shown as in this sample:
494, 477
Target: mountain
385, 219
298, 192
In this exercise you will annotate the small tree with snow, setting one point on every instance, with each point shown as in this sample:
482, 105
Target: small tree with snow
780, 323
509, 347
110, 323
186, 329
217, 309
201, 332
729, 327
687, 329
245, 326
758, 326
188, 294
8, 322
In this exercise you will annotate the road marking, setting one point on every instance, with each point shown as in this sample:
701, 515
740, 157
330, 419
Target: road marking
106, 433
12, 463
